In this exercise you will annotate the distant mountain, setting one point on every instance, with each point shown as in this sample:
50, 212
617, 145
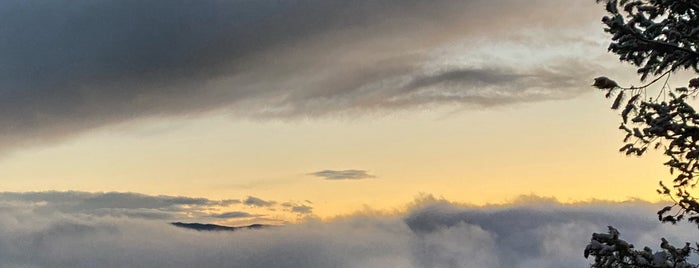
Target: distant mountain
215, 227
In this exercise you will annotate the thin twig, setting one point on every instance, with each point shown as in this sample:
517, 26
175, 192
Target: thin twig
649, 84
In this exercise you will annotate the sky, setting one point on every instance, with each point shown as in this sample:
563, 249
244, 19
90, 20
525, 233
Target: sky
326, 116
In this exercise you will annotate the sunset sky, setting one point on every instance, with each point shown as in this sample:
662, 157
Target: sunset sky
230, 99
370, 133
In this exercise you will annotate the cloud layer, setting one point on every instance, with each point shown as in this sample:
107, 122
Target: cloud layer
433, 233
140, 206
70, 67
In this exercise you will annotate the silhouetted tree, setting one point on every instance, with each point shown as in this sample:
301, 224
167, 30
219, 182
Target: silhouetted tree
659, 37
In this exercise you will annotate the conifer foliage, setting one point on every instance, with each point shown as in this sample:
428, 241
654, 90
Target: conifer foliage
659, 37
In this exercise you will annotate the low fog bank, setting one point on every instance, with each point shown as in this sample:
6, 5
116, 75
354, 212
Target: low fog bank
433, 233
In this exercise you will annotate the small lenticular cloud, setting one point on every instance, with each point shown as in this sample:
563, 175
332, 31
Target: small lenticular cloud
350, 174
257, 202
302, 209
233, 215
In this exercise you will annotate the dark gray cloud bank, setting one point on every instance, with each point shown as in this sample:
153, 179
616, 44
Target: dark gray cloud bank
67, 67
537, 233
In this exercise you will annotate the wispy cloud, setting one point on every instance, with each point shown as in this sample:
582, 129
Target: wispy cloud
350, 174
113, 203
133, 205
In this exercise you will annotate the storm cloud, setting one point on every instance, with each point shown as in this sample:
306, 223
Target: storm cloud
432, 233
66, 68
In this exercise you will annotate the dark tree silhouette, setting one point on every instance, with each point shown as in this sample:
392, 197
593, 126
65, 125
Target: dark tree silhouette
659, 37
